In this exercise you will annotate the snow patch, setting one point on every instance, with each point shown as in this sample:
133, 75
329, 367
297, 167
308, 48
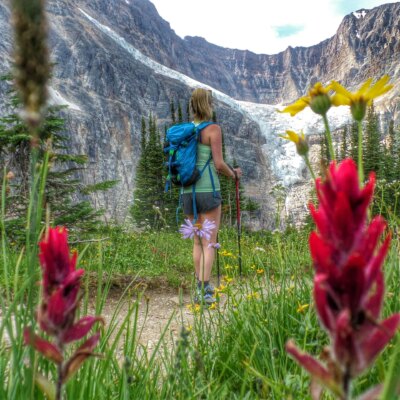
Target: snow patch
287, 166
56, 99
360, 14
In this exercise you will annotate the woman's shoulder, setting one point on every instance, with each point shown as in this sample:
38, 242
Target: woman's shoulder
211, 133
213, 127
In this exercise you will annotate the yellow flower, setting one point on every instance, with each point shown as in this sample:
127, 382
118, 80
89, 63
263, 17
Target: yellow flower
299, 140
290, 288
228, 279
260, 271
213, 306
194, 308
254, 295
359, 100
221, 288
228, 266
318, 100
253, 267
302, 307
226, 253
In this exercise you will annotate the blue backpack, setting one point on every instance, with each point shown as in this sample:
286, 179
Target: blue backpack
181, 149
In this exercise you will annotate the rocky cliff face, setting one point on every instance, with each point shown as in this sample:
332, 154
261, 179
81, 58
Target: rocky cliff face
367, 42
116, 61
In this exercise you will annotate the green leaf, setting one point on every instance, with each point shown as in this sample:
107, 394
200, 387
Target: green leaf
47, 387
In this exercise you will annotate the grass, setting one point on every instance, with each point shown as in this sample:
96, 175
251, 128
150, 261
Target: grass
235, 352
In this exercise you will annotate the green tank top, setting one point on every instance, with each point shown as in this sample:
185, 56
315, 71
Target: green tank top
204, 185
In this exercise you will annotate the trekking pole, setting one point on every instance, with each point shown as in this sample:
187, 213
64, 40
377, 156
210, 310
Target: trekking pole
239, 226
218, 274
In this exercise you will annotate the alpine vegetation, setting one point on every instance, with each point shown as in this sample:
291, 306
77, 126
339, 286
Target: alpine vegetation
347, 254
112, 314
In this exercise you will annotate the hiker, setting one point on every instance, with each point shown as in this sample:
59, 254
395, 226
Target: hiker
207, 190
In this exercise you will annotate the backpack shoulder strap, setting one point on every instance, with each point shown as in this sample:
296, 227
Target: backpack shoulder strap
201, 126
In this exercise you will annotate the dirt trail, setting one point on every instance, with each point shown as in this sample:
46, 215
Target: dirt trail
156, 307
155, 310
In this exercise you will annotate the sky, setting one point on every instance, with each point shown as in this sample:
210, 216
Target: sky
262, 26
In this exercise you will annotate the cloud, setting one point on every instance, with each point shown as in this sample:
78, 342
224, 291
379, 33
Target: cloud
259, 25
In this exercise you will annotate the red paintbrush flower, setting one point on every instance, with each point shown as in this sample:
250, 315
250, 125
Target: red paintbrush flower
348, 284
60, 300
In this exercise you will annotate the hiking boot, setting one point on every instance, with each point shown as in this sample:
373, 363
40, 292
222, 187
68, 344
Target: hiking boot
209, 288
207, 298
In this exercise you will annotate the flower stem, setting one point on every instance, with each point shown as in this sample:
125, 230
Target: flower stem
59, 382
329, 138
309, 166
60, 368
360, 154
346, 383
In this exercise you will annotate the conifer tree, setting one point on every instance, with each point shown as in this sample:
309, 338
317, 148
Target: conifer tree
372, 153
62, 186
180, 115
172, 109
354, 141
323, 155
343, 143
187, 112
388, 161
140, 210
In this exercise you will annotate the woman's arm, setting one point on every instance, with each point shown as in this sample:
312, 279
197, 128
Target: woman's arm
214, 136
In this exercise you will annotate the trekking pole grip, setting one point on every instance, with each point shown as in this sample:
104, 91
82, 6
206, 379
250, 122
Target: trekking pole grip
234, 171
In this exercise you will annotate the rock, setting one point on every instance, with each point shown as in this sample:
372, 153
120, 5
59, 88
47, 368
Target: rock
119, 61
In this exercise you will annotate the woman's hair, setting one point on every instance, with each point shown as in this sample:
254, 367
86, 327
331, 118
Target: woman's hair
201, 105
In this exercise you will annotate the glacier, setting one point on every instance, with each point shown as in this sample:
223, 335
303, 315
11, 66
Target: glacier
287, 166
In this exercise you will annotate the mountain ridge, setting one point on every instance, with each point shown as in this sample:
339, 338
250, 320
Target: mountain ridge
120, 62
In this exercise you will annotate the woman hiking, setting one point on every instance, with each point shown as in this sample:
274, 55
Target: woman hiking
207, 192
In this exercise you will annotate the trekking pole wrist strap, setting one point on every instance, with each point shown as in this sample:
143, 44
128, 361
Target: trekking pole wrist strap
233, 170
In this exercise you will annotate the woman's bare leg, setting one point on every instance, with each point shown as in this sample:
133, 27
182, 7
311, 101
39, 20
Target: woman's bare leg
197, 254
207, 254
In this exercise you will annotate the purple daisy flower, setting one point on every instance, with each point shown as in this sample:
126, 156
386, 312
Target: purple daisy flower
188, 230
206, 229
214, 245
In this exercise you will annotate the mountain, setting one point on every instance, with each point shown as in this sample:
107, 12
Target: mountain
119, 60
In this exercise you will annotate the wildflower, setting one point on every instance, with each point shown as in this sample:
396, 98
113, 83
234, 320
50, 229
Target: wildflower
259, 249
359, 100
253, 266
317, 99
32, 61
56, 313
253, 295
214, 245
213, 306
228, 266
194, 308
10, 175
260, 271
349, 282
228, 279
220, 288
206, 229
299, 140
302, 307
188, 230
